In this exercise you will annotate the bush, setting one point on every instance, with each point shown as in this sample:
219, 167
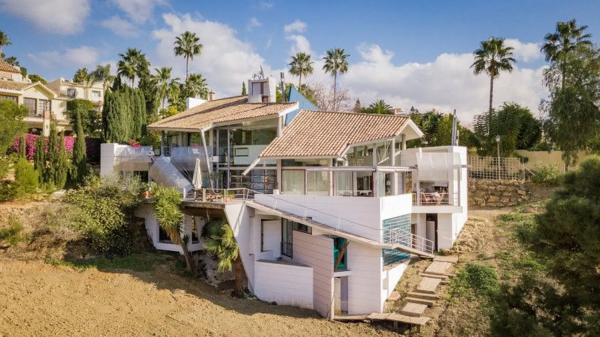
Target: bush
26, 178
546, 175
8, 190
103, 212
12, 234
475, 279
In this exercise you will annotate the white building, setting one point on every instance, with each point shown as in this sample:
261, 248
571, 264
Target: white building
68, 90
327, 207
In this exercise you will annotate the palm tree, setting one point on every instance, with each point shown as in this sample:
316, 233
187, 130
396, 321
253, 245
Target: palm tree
133, 63
174, 91
567, 38
195, 86
4, 40
301, 65
492, 57
81, 76
336, 62
187, 44
220, 242
379, 107
102, 74
161, 79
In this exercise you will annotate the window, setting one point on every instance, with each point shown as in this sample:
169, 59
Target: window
96, 93
292, 181
241, 152
317, 182
340, 256
71, 92
31, 105
287, 238
8, 98
43, 105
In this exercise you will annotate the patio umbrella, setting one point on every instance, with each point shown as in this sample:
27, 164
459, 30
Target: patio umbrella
197, 178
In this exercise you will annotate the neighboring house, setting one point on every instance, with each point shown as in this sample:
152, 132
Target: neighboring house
68, 90
39, 100
327, 207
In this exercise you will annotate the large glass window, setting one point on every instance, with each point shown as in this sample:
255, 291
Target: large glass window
8, 98
31, 105
292, 181
287, 238
343, 184
317, 182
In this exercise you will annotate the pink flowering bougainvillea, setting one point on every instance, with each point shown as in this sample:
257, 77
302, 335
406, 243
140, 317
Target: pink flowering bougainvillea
30, 141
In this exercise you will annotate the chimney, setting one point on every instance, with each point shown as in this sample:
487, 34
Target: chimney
211, 95
191, 102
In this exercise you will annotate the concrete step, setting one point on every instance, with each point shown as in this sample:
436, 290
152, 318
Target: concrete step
439, 268
441, 277
450, 258
413, 309
429, 285
429, 303
426, 296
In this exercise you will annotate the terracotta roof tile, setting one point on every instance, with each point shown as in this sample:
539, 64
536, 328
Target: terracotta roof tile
5, 66
219, 111
318, 134
12, 85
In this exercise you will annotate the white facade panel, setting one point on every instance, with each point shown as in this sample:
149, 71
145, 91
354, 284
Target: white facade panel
284, 284
364, 283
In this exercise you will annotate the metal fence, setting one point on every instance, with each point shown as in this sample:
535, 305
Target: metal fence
497, 168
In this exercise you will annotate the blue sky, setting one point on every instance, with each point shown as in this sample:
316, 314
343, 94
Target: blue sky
407, 52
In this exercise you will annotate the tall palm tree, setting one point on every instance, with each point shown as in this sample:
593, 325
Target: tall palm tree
82, 76
133, 63
102, 74
336, 62
492, 57
161, 79
174, 91
188, 45
4, 40
379, 107
195, 86
567, 38
301, 65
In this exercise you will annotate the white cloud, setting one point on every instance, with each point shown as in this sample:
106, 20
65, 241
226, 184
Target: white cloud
295, 27
73, 57
264, 5
300, 44
225, 60
56, 16
139, 10
446, 83
120, 26
525, 51
253, 23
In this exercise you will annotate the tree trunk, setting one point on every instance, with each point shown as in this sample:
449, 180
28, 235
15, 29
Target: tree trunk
334, 90
189, 261
490, 107
187, 61
300, 81
240, 277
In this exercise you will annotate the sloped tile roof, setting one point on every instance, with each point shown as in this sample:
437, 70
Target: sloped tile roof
5, 66
222, 110
12, 85
317, 134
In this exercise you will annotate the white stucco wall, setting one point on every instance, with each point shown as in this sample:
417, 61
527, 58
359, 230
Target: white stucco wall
284, 284
364, 283
390, 278
317, 252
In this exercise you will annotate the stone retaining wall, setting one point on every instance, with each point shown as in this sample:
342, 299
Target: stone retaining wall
497, 193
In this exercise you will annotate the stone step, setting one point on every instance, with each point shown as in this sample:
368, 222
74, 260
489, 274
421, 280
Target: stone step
429, 303
441, 277
423, 295
413, 309
429, 285
450, 258
439, 268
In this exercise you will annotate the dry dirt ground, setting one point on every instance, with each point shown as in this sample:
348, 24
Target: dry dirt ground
44, 299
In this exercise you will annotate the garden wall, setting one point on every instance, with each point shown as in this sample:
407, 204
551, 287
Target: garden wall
497, 193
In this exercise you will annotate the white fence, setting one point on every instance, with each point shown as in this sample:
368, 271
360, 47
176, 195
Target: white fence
497, 168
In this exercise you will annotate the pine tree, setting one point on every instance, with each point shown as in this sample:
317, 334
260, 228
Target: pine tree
79, 170
244, 92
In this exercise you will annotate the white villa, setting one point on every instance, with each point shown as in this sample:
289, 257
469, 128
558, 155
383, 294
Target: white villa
327, 207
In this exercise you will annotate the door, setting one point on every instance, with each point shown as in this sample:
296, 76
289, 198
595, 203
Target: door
431, 228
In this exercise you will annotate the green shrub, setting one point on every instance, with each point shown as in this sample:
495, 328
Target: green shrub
8, 190
26, 177
546, 175
475, 279
12, 234
103, 211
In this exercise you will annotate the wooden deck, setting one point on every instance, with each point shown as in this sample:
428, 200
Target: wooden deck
388, 317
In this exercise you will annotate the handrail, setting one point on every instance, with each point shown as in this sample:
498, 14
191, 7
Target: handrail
435, 198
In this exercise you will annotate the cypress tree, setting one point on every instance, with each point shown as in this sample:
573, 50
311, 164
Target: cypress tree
39, 160
61, 166
244, 92
79, 170
51, 156
22, 147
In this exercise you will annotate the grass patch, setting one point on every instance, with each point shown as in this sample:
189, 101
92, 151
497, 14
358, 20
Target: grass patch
141, 262
475, 280
13, 233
